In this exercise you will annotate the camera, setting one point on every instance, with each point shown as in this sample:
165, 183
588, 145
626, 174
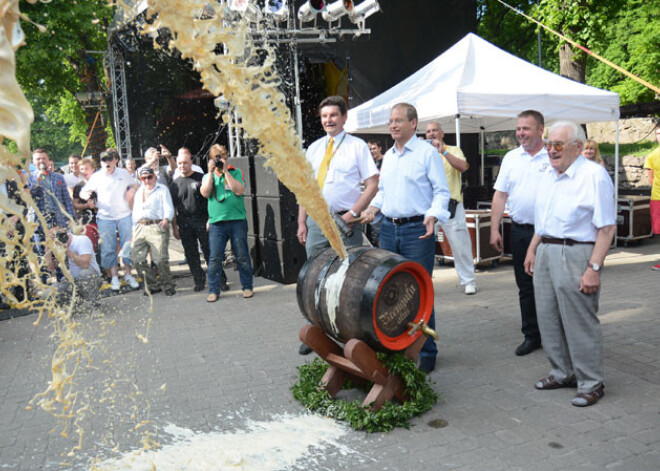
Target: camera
62, 237
219, 164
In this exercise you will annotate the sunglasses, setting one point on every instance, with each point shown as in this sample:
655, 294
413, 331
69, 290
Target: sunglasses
559, 146
148, 177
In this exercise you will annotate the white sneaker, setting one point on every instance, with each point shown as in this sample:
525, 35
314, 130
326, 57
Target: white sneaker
132, 282
114, 283
471, 288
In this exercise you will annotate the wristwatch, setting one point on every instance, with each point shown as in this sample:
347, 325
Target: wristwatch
353, 213
595, 267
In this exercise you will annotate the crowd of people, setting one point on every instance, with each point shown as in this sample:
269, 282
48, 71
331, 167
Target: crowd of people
101, 216
557, 192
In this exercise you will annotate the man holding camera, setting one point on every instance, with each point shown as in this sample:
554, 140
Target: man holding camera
223, 188
115, 189
83, 267
455, 229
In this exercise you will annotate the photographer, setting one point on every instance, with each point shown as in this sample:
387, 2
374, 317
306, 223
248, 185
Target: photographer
82, 265
223, 188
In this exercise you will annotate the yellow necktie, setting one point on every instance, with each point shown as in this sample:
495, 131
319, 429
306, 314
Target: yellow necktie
325, 163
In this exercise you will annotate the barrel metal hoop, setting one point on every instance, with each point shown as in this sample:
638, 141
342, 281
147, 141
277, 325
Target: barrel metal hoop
318, 292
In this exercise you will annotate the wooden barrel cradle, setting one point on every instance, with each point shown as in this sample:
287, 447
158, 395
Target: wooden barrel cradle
371, 296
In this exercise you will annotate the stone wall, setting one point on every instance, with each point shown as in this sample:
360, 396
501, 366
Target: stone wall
630, 130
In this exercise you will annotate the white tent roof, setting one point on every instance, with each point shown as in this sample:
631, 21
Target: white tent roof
487, 87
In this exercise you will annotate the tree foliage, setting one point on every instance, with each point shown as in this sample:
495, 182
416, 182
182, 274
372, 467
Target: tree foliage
53, 66
626, 32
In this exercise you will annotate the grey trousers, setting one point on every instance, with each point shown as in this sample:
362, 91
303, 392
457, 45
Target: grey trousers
316, 241
570, 330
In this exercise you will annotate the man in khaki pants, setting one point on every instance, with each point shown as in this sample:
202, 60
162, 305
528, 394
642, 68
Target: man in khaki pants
152, 212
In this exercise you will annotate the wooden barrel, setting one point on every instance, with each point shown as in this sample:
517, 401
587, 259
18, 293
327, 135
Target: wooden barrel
370, 296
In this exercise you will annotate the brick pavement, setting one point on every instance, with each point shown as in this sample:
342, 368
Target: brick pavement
212, 366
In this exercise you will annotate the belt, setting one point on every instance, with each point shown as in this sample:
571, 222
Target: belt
399, 221
553, 240
149, 222
526, 226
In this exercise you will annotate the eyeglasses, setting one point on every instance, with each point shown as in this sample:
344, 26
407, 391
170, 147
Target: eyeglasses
148, 177
559, 146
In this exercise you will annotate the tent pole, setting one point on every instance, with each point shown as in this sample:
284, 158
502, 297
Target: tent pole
458, 130
616, 175
482, 146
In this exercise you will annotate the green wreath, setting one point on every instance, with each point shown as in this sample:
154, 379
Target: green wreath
421, 395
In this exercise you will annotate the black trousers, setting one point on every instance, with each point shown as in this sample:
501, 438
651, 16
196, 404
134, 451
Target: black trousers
193, 232
521, 236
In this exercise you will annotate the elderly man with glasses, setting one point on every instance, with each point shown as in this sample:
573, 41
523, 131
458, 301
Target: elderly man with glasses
115, 189
152, 212
574, 224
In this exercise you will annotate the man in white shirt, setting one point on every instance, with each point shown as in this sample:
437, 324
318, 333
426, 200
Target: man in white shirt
517, 183
152, 212
114, 189
81, 262
412, 195
74, 176
574, 225
455, 229
340, 161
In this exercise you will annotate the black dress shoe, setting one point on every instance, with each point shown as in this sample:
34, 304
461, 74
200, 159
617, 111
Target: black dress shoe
199, 286
170, 292
528, 346
304, 349
427, 364
224, 287
153, 291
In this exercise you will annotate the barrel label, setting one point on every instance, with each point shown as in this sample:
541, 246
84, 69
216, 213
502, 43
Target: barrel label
397, 304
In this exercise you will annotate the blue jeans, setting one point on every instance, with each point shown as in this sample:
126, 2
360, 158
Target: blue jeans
108, 230
219, 234
404, 240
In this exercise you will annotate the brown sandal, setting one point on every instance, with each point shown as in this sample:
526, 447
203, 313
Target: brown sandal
590, 398
212, 297
551, 383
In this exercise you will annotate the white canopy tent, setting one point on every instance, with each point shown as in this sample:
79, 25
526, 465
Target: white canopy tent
476, 87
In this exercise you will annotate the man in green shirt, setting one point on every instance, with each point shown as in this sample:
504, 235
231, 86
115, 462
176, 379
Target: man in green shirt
223, 187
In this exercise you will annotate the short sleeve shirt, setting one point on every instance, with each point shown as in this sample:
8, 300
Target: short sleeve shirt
653, 163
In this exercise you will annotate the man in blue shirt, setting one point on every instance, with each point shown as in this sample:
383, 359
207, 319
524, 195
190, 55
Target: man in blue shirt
412, 195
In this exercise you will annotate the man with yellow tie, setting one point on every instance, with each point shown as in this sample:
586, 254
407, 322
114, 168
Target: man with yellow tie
340, 161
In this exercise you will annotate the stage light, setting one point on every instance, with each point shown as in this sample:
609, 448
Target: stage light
308, 11
337, 10
277, 9
247, 8
363, 11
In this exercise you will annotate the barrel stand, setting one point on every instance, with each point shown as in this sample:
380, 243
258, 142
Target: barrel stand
357, 363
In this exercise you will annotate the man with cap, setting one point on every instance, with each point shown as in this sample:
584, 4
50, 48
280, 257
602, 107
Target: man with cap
115, 189
152, 212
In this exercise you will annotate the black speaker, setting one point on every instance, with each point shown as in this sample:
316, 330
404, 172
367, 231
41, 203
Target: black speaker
278, 217
281, 260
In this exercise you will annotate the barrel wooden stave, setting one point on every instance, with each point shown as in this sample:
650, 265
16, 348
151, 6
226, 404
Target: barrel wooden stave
371, 273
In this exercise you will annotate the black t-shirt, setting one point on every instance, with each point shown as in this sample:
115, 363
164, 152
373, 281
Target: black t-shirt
87, 215
187, 198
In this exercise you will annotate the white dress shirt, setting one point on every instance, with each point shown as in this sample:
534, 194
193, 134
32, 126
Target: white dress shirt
153, 205
575, 204
351, 163
519, 178
110, 193
413, 182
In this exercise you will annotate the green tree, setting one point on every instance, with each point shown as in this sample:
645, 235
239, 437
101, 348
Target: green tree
55, 66
632, 41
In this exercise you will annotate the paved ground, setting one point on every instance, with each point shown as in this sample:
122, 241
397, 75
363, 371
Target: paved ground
212, 367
